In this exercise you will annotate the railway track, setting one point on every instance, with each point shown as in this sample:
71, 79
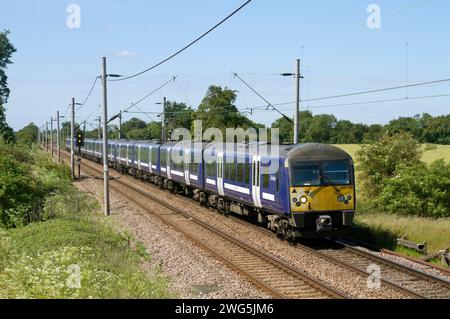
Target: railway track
422, 284
267, 272
410, 282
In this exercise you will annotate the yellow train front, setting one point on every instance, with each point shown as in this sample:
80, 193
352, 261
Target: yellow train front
320, 192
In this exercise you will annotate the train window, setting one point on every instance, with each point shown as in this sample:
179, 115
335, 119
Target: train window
240, 172
177, 160
227, 171
233, 176
306, 175
214, 168
321, 173
277, 178
211, 169
163, 159
143, 156
336, 173
265, 177
154, 155
254, 173
192, 164
247, 173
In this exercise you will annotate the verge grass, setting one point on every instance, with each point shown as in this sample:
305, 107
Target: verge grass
386, 228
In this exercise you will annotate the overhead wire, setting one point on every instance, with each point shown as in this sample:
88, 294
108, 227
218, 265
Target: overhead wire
89, 94
377, 90
185, 47
262, 97
150, 94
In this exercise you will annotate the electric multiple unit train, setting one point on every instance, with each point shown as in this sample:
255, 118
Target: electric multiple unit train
310, 193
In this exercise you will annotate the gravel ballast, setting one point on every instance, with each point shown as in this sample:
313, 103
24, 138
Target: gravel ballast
192, 272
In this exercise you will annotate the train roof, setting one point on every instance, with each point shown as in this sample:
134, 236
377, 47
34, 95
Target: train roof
313, 151
308, 151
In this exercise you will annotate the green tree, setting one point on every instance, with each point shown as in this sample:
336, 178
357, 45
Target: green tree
437, 130
138, 134
132, 124
404, 124
343, 133
178, 115
28, 135
154, 130
217, 110
379, 161
374, 133
320, 129
6, 52
418, 190
286, 128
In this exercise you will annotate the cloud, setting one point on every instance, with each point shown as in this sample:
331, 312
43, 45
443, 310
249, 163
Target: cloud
124, 53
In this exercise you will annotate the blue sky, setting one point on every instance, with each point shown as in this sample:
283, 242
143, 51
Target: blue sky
340, 55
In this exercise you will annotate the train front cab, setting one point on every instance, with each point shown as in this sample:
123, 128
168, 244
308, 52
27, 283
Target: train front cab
321, 193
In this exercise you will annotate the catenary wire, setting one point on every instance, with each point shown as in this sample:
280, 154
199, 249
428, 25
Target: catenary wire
185, 47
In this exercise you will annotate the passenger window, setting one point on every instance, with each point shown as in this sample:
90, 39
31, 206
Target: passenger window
240, 172
247, 172
233, 172
265, 171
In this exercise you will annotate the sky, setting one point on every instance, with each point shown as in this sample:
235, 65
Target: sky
340, 53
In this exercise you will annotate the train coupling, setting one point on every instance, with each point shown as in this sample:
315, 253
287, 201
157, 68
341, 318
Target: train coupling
324, 223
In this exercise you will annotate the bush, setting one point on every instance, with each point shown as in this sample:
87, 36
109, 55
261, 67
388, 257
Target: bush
418, 190
379, 161
18, 189
27, 179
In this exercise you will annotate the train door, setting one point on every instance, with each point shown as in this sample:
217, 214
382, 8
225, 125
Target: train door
220, 174
168, 159
256, 180
150, 160
139, 157
187, 159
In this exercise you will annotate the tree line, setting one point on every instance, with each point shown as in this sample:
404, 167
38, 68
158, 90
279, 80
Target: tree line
218, 109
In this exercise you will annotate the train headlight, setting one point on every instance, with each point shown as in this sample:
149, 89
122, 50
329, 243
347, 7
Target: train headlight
341, 198
303, 199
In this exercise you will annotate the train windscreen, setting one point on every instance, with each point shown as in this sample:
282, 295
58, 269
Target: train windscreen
320, 173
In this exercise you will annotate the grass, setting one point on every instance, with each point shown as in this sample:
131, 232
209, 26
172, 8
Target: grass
441, 151
76, 253
386, 228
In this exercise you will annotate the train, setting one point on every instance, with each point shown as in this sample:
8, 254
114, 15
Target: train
304, 191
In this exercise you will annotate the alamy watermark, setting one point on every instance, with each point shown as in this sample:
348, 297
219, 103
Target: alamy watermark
374, 279
74, 279
73, 20
374, 19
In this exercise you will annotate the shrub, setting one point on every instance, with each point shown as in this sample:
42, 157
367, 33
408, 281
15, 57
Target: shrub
27, 180
379, 161
18, 188
418, 190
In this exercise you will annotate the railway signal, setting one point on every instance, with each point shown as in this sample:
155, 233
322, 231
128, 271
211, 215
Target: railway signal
79, 142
